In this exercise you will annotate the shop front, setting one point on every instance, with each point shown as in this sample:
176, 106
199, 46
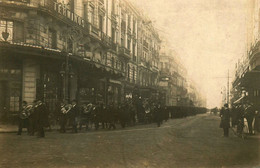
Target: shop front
10, 87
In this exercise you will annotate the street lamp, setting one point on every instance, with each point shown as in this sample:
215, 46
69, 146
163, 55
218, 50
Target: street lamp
66, 73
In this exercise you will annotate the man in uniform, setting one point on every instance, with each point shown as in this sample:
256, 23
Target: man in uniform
41, 113
73, 116
32, 119
23, 118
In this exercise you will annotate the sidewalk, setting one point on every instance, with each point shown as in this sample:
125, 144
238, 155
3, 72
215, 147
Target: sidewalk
9, 128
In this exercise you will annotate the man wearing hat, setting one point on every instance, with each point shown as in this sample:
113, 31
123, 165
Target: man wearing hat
225, 120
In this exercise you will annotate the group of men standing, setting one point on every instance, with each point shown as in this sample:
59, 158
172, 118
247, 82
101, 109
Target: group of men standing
237, 114
34, 118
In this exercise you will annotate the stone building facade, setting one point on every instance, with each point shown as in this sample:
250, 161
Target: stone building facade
88, 50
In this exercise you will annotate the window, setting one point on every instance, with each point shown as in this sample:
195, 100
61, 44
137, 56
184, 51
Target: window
134, 55
134, 45
113, 6
85, 12
134, 24
123, 41
113, 62
128, 43
100, 23
91, 15
123, 26
129, 20
18, 32
128, 72
134, 75
70, 46
52, 39
113, 35
6, 26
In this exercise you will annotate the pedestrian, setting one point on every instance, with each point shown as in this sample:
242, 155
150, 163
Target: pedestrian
225, 119
63, 116
73, 113
24, 117
234, 112
85, 115
41, 113
111, 116
32, 119
250, 115
240, 118
96, 115
104, 116
158, 115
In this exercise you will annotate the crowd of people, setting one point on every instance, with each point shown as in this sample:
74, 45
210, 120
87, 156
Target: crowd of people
236, 117
74, 117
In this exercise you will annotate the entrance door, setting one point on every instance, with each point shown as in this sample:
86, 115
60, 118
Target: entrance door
3, 99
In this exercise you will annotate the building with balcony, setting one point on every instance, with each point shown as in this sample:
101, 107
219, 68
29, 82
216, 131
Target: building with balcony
173, 77
148, 58
246, 83
89, 50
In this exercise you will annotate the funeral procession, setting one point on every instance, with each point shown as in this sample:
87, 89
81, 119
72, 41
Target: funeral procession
129, 83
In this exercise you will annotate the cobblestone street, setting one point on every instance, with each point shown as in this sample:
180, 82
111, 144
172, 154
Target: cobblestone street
190, 142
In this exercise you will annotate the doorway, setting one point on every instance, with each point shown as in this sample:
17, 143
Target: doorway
3, 99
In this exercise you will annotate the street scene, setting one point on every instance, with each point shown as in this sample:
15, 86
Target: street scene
187, 142
129, 83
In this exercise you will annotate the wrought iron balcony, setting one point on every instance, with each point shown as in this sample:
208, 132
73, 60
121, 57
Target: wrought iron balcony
124, 52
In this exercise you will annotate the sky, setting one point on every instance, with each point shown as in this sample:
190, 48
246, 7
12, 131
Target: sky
208, 35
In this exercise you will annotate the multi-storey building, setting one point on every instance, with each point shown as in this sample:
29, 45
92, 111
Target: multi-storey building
89, 50
246, 84
148, 60
168, 76
173, 78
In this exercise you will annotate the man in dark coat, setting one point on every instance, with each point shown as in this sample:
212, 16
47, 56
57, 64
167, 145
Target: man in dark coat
111, 111
63, 109
41, 113
225, 119
158, 115
32, 119
73, 113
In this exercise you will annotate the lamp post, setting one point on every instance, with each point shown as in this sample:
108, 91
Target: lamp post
66, 73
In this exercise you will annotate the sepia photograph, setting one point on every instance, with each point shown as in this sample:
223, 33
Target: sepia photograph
129, 83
